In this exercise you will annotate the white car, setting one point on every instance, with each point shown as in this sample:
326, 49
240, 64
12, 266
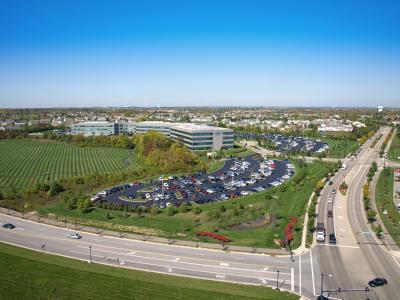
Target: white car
210, 191
320, 237
76, 236
245, 193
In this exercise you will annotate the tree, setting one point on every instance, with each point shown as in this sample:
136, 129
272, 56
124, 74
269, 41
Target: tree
170, 210
108, 216
184, 208
155, 210
197, 210
83, 204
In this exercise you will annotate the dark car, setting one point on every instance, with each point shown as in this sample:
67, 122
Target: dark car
377, 282
9, 226
330, 214
330, 182
332, 238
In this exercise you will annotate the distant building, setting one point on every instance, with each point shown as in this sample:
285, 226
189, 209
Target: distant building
335, 127
195, 137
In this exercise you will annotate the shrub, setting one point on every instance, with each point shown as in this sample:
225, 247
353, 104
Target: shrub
170, 211
197, 210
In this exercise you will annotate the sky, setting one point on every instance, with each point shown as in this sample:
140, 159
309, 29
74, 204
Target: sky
199, 53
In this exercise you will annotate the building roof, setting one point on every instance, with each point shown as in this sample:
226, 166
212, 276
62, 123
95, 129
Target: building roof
195, 127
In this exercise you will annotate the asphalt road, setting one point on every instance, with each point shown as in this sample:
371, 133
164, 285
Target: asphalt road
358, 256
294, 275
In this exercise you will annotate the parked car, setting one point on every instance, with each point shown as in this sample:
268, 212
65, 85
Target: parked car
9, 226
377, 282
320, 237
76, 236
330, 214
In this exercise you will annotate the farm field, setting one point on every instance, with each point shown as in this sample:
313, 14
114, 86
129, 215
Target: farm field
340, 148
22, 162
394, 152
33, 275
283, 201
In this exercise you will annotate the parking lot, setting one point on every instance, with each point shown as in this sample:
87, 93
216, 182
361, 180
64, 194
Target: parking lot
237, 178
288, 143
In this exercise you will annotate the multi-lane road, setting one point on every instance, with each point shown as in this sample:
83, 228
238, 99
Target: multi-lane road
355, 260
358, 256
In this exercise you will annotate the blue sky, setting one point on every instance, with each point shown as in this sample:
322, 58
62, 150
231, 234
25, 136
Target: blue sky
174, 53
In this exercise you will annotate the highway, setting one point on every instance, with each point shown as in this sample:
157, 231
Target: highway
295, 276
358, 256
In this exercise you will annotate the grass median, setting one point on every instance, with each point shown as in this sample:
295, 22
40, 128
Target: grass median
33, 275
384, 202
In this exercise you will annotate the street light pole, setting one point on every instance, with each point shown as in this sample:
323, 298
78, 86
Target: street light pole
277, 280
90, 253
322, 282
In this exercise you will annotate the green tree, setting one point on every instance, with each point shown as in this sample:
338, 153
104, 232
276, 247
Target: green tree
197, 210
170, 210
184, 208
83, 204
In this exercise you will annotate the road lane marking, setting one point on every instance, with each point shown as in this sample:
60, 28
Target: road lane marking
222, 265
312, 272
292, 279
340, 246
396, 261
300, 274
220, 276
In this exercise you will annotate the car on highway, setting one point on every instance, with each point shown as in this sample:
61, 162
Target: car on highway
333, 191
8, 226
332, 238
377, 282
330, 182
76, 236
330, 214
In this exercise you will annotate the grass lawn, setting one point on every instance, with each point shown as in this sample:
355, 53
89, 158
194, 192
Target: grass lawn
24, 161
394, 152
33, 275
340, 148
384, 201
282, 202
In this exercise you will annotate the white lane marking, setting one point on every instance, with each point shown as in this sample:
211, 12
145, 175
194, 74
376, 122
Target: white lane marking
131, 253
312, 273
169, 270
300, 274
339, 207
266, 269
177, 259
396, 261
86, 253
342, 230
334, 226
224, 264
292, 279
220, 276
340, 246
340, 217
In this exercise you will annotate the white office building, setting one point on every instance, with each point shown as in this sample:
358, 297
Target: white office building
195, 137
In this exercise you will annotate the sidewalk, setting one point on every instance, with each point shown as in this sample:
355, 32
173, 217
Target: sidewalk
76, 226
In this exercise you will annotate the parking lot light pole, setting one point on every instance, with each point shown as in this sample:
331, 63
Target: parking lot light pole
162, 185
322, 282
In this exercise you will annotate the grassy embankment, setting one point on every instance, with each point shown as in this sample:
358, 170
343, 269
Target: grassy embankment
279, 203
384, 201
33, 275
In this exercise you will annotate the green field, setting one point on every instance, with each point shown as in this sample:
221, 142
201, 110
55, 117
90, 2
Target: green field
285, 201
23, 162
32, 275
394, 153
340, 148
384, 201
